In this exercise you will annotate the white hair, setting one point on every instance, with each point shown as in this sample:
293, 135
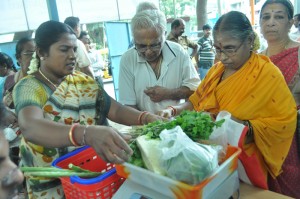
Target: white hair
149, 19
146, 5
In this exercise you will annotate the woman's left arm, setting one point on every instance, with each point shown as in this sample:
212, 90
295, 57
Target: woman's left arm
249, 138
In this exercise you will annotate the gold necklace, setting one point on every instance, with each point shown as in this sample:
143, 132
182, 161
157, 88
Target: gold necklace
47, 78
157, 67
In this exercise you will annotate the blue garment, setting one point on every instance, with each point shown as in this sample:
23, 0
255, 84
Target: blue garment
202, 72
2, 81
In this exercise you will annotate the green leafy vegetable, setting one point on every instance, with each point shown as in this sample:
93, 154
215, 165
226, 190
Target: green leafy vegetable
197, 125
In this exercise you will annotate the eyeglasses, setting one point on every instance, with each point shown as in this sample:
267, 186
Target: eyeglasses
28, 53
228, 52
143, 48
9, 178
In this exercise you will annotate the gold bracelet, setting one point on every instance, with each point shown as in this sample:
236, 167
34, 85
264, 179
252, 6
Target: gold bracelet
174, 111
140, 117
71, 134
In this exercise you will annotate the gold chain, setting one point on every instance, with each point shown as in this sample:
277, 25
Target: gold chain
157, 67
47, 78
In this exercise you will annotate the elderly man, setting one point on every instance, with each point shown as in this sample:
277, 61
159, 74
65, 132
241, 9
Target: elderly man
146, 5
177, 29
156, 73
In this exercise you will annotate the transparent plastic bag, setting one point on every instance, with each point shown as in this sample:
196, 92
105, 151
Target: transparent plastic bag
184, 160
220, 136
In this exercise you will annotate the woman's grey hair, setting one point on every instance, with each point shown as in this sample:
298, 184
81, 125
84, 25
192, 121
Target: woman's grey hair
236, 24
146, 5
149, 19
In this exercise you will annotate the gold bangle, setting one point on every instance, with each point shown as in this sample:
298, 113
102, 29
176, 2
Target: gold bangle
174, 111
71, 135
145, 118
140, 117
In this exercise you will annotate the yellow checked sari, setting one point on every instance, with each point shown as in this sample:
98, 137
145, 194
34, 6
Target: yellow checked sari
78, 99
256, 92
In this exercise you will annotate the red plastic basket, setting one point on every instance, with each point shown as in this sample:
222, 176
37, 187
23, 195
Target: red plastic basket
101, 187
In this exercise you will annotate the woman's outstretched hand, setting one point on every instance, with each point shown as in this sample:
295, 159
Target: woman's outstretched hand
152, 118
166, 113
109, 144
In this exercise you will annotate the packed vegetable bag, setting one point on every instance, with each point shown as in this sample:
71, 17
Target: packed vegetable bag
169, 156
198, 126
184, 160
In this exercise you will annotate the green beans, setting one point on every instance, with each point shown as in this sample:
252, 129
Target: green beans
53, 172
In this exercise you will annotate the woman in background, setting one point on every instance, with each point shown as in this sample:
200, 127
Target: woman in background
276, 20
7, 68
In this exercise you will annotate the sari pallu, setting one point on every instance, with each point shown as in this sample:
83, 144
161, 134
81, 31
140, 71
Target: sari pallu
256, 92
287, 62
74, 101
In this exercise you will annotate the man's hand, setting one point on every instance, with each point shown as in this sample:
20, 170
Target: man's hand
157, 93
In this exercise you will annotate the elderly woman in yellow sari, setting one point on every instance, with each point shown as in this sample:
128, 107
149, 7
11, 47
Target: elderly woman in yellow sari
60, 109
253, 90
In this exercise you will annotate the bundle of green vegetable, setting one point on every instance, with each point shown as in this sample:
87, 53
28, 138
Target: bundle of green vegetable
53, 172
196, 125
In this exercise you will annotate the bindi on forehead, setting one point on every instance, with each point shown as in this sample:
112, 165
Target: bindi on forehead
274, 8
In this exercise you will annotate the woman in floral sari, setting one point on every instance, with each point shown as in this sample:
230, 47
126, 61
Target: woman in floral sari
60, 109
276, 20
253, 90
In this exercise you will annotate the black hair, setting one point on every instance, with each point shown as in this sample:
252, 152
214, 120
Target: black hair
49, 33
20, 45
6, 60
236, 23
206, 27
82, 33
73, 22
176, 23
286, 3
3, 112
298, 16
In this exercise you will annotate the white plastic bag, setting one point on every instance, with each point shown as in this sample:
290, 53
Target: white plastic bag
184, 160
10, 134
228, 133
